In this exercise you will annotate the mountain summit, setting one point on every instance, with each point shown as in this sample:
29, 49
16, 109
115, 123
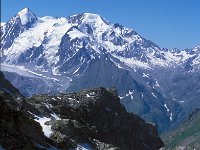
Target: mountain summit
26, 16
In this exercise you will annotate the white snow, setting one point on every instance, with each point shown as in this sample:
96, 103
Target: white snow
54, 34
26, 16
131, 62
111, 47
76, 34
145, 75
96, 23
154, 95
21, 70
121, 97
130, 93
45, 128
92, 93
88, 95
84, 146
33, 37
166, 107
2, 24
171, 117
55, 116
157, 84
42, 120
76, 70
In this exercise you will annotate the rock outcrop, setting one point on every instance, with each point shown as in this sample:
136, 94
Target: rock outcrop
97, 118
18, 131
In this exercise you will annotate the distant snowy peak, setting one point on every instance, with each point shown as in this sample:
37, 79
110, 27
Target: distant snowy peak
26, 16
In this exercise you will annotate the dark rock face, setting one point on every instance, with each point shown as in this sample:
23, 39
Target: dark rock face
95, 115
18, 131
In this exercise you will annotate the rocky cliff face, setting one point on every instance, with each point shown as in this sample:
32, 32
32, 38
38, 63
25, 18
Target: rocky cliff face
19, 131
95, 117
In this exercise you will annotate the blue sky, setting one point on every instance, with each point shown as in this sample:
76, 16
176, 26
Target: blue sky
168, 23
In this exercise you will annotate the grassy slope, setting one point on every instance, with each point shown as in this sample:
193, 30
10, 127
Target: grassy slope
187, 135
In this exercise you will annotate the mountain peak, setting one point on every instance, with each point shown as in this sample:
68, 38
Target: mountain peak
94, 18
26, 16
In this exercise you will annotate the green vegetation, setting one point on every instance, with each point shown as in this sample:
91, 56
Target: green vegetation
192, 131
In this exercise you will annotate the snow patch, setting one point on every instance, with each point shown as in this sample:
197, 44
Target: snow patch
121, 97
76, 34
84, 146
157, 84
76, 70
45, 128
171, 116
154, 95
145, 75
166, 107
87, 95
130, 93
131, 62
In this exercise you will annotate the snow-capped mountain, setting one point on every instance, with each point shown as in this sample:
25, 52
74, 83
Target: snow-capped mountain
43, 41
84, 51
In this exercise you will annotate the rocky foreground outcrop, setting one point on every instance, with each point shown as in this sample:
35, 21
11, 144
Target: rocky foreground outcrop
96, 118
18, 131
90, 119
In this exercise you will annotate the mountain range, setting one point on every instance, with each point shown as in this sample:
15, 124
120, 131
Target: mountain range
56, 54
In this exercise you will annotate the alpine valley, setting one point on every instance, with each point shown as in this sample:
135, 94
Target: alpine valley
50, 55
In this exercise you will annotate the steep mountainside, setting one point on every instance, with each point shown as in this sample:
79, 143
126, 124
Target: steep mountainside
187, 136
49, 55
90, 119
